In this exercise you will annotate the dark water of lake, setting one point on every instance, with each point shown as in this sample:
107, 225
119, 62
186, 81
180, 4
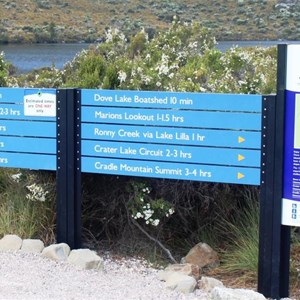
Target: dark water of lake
34, 56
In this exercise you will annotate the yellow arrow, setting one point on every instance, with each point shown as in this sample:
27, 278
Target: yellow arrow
240, 175
241, 139
241, 157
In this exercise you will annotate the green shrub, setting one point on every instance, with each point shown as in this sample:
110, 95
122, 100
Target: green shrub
3, 70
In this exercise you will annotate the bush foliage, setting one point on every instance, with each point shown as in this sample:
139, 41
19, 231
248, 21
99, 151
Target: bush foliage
182, 58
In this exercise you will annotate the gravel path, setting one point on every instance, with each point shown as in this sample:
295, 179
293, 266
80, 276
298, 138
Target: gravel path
29, 276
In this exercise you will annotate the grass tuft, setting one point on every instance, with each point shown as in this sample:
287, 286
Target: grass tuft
20, 215
241, 255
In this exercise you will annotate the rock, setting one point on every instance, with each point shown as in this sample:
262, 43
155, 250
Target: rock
57, 251
203, 256
219, 293
10, 242
32, 245
187, 269
85, 259
208, 283
181, 283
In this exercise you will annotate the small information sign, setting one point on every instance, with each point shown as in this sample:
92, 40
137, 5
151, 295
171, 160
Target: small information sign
291, 181
39, 103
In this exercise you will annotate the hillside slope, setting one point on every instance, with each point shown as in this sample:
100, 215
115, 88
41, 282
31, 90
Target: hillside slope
85, 20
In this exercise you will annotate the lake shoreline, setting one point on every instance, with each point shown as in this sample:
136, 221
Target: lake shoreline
27, 57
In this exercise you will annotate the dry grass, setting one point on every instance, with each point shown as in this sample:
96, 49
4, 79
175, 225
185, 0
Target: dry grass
244, 279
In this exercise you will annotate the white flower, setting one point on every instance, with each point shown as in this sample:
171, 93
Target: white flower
146, 79
171, 211
164, 58
241, 82
122, 76
109, 36
37, 193
139, 215
16, 177
163, 69
155, 222
193, 45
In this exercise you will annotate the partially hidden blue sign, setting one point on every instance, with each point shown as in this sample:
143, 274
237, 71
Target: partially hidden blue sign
291, 182
191, 136
28, 128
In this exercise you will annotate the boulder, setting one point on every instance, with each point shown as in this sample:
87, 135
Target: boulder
203, 256
181, 283
85, 259
10, 242
57, 251
187, 269
32, 245
219, 293
208, 283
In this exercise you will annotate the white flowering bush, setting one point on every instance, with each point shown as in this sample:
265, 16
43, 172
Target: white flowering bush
3, 70
48, 77
36, 192
17, 177
183, 58
143, 207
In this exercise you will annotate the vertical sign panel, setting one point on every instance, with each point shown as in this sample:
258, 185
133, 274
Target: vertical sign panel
291, 181
28, 128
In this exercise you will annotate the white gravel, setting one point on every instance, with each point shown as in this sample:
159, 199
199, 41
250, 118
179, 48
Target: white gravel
29, 276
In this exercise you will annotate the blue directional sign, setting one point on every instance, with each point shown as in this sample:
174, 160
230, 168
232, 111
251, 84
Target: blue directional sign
174, 100
28, 128
169, 135
12, 95
27, 144
174, 118
16, 112
188, 154
197, 172
28, 161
